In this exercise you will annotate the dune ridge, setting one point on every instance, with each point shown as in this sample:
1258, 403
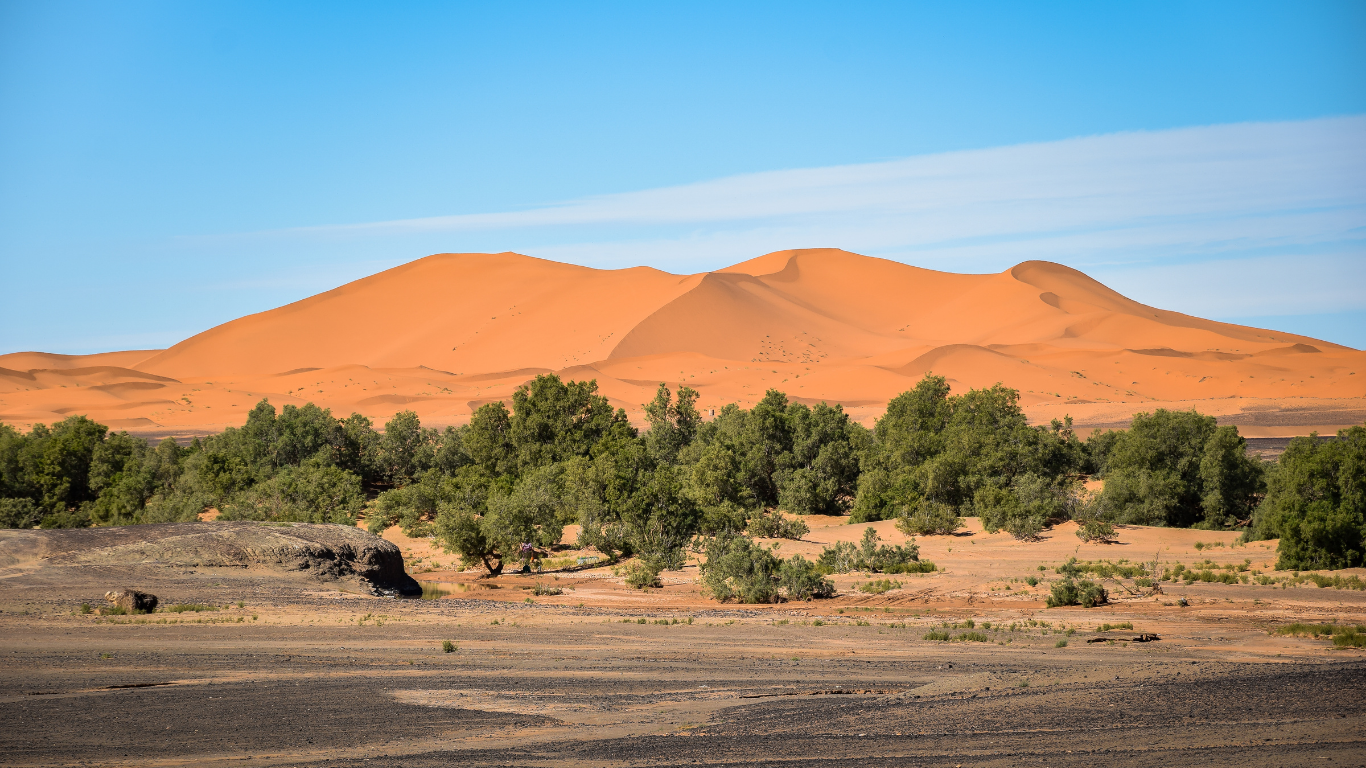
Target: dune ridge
447, 333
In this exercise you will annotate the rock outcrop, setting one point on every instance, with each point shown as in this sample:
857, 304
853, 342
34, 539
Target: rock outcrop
131, 600
324, 552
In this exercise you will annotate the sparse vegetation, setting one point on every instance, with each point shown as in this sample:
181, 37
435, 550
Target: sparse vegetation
447, 646
187, 607
878, 586
1068, 591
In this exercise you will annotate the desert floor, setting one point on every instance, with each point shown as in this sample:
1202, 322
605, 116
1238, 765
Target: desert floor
311, 673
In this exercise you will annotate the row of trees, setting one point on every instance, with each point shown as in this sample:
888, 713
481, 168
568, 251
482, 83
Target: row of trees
507, 484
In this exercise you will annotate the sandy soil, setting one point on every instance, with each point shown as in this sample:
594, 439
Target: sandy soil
307, 673
447, 333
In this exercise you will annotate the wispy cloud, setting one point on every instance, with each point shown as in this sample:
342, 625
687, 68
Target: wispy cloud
1244, 219
1123, 197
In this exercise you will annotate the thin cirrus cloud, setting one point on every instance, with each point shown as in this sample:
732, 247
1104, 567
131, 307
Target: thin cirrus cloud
1144, 196
1254, 219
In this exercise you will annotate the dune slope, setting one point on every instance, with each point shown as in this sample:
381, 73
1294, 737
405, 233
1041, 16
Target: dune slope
444, 334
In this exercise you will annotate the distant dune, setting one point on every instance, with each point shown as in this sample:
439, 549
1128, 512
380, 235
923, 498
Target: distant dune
447, 333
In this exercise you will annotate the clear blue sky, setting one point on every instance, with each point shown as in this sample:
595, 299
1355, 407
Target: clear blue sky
160, 161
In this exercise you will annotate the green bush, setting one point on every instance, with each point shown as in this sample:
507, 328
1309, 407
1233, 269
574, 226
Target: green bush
935, 634
643, 573
447, 646
1315, 504
188, 607
928, 518
772, 524
738, 569
870, 555
1350, 639
1085, 593
878, 586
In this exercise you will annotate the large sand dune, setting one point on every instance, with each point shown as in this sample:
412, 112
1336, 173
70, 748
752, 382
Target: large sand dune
447, 333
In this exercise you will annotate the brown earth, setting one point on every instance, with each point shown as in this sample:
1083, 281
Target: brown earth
311, 673
447, 333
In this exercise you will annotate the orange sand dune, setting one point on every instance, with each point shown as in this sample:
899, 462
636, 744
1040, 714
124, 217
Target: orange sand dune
447, 333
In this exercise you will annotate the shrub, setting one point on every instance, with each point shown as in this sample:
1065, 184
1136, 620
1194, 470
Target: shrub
1060, 644
771, 524
738, 569
19, 513
935, 634
447, 646
1032, 581
1095, 529
1350, 639
843, 557
188, 607
929, 518
803, 580
879, 586
542, 590
840, 557
972, 637
643, 572
1121, 625
1085, 593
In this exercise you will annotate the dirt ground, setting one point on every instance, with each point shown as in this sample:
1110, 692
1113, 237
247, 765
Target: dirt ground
308, 673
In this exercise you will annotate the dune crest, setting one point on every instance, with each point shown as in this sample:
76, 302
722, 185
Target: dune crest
447, 333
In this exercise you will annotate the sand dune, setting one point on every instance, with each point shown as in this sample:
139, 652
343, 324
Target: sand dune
447, 333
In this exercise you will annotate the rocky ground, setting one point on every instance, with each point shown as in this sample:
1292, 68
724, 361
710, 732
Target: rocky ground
284, 668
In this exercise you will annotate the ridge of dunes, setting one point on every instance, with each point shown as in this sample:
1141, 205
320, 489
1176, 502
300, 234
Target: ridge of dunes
446, 333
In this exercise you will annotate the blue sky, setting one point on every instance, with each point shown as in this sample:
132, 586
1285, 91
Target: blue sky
165, 167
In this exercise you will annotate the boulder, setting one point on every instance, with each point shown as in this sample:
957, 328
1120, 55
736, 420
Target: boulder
316, 552
132, 600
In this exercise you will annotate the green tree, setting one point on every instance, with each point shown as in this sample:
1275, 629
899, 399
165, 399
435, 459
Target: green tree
1177, 468
673, 425
1316, 503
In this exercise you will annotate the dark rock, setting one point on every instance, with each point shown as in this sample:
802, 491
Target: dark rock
322, 552
132, 600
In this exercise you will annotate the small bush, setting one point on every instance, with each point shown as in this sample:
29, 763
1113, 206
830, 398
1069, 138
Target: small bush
879, 586
188, 607
1085, 593
643, 573
738, 569
542, 590
447, 646
1121, 625
1060, 644
936, 634
870, 555
771, 524
86, 609
972, 637
1032, 581
1095, 529
1350, 639
928, 518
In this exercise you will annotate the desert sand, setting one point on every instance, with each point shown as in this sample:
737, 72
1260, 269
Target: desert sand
444, 334
289, 669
